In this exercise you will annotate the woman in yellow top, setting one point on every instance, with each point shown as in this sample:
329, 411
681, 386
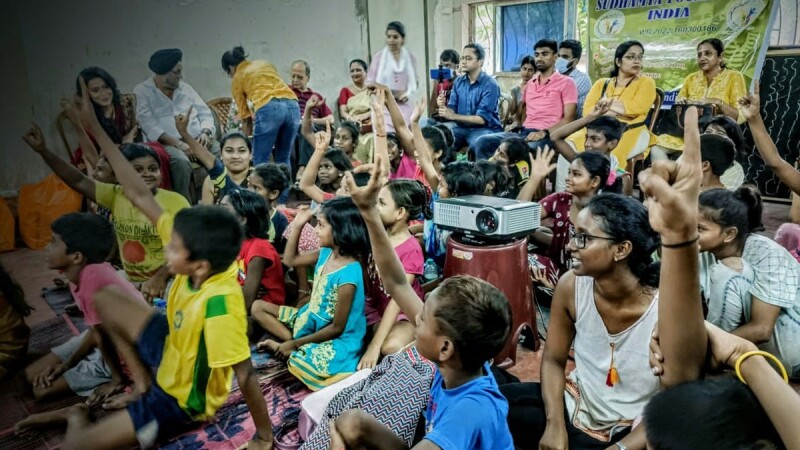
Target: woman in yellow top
630, 96
277, 114
713, 83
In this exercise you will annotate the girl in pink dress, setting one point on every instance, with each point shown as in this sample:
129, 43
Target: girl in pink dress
399, 202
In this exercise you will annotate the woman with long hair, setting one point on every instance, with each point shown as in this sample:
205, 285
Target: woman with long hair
116, 113
629, 95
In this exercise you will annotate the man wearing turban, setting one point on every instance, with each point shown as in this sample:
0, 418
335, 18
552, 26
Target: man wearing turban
162, 97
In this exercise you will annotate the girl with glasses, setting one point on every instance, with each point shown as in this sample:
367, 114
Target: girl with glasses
605, 308
590, 174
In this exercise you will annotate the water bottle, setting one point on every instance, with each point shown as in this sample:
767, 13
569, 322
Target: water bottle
430, 271
160, 304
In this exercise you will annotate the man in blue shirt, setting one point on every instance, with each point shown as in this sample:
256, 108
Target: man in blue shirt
570, 52
472, 109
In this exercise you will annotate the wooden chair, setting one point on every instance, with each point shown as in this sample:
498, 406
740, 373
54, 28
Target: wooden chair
503, 108
652, 117
221, 107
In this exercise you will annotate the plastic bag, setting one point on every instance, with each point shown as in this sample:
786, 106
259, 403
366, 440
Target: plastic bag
42, 203
6, 227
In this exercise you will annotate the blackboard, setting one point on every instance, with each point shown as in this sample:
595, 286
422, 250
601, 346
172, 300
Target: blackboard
780, 107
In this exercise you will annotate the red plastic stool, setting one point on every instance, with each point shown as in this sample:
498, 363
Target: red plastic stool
504, 266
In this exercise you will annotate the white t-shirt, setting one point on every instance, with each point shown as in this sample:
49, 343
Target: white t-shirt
776, 282
726, 292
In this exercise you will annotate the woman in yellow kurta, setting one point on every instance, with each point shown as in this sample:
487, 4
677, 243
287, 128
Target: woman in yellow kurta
713, 83
630, 96
277, 116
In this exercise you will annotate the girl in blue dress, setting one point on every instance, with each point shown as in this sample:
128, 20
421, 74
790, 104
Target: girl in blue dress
323, 339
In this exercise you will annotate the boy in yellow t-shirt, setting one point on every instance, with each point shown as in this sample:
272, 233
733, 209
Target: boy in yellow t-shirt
140, 247
195, 348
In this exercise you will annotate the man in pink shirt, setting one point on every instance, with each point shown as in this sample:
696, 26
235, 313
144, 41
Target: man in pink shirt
549, 101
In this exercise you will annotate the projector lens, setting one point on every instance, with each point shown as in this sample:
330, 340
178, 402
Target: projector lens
487, 221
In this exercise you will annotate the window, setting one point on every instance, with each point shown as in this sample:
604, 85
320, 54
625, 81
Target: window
785, 31
508, 30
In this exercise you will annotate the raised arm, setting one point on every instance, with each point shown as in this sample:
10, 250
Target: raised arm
381, 152
290, 255
404, 135
779, 400
423, 153
68, 173
674, 188
307, 126
89, 151
559, 135
541, 167
134, 187
196, 150
392, 273
751, 109
307, 181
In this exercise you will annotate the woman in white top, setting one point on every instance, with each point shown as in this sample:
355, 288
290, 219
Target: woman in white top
606, 307
394, 66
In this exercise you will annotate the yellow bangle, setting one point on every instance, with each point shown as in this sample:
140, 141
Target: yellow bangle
768, 355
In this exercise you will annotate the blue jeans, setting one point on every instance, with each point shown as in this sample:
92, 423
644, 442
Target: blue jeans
487, 145
469, 135
276, 125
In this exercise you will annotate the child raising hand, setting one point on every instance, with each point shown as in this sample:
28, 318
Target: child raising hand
673, 189
463, 324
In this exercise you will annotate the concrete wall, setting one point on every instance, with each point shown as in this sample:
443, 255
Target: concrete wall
51, 41
16, 165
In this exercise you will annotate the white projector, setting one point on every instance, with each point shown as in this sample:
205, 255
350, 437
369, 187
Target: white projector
487, 217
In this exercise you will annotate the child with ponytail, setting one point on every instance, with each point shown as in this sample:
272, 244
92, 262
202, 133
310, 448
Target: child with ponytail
399, 202
725, 278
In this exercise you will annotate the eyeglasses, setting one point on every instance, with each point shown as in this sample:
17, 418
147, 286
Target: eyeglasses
634, 57
467, 58
580, 239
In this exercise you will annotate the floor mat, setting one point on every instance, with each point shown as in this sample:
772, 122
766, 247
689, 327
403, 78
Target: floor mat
46, 335
58, 298
18, 404
233, 427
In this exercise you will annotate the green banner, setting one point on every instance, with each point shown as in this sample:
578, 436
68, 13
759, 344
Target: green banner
670, 31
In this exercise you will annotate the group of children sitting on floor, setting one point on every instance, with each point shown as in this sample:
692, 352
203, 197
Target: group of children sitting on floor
361, 247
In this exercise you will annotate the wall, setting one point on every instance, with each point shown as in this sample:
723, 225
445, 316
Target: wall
411, 14
16, 164
50, 42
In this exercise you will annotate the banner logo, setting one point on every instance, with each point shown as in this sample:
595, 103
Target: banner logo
742, 13
609, 24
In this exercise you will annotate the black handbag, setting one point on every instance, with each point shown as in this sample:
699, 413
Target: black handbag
672, 121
